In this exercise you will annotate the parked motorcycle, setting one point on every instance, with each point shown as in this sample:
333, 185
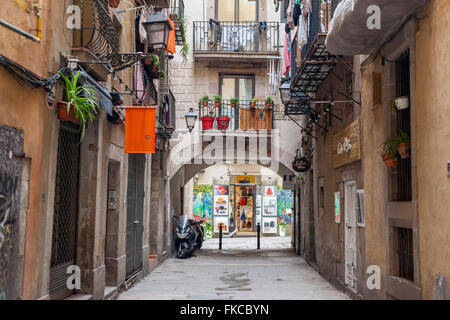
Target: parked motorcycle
189, 236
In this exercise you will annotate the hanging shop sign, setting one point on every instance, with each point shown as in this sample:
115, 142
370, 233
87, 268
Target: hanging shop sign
140, 129
347, 145
245, 179
302, 164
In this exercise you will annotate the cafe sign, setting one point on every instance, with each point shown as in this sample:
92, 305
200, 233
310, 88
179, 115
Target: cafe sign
347, 145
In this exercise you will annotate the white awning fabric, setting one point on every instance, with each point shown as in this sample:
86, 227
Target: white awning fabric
349, 33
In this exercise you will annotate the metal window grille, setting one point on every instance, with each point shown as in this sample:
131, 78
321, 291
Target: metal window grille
404, 188
405, 253
66, 210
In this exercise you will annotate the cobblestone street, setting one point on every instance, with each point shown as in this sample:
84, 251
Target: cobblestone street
237, 272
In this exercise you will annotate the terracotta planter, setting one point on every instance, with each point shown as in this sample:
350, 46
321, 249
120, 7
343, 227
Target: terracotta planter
205, 103
389, 161
217, 104
207, 122
114, 3
252, 105
223, 123
404, 149
268, 105
64, 116
233, 104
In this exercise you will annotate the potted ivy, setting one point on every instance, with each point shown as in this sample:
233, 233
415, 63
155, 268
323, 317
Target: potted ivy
234, 102
253, 103
81, 104
217, 101
268, 103
205, 101
390, 153
162, 74
282, 227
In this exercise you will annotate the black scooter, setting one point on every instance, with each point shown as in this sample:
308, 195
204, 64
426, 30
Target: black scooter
189, 236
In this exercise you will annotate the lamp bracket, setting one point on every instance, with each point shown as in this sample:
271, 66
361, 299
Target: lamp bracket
121, 61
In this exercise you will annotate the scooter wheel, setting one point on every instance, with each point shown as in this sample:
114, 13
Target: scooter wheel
183, 253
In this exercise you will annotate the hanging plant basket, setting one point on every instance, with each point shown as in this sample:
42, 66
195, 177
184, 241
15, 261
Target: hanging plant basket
114, 3
64, 116
389, 161
223, 123
404, 149
207, 122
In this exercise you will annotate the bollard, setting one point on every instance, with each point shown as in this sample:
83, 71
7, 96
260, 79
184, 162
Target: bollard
220, 236
258, 235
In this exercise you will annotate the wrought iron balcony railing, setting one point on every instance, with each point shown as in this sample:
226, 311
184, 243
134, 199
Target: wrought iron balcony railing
98, 33
176, 13
242, 116
246, 37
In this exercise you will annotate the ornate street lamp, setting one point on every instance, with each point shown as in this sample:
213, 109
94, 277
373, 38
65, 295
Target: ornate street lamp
285, 92
158, 29
191, 118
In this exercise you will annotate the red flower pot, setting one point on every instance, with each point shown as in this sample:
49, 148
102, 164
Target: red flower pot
404, 149
114, 3
223, 122
207, 122
389, 161
64, 116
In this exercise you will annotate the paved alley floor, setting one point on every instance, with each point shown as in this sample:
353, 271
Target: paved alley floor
238, 272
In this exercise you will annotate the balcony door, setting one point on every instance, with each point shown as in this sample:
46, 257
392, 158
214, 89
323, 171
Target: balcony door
237, 10
241, 86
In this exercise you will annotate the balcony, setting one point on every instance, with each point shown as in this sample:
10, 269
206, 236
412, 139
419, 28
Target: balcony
242, 117
176, 14
236, 40
166, 115
316, 61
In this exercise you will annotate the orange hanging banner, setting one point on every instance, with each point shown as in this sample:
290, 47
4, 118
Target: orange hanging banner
171, 48
140, 129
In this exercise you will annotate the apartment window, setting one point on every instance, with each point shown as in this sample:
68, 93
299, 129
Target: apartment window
404, 258
401, 175
322, 197
360, 208
237, 10
241, 86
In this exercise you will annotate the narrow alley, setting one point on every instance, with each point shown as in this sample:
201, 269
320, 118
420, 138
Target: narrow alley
238, 272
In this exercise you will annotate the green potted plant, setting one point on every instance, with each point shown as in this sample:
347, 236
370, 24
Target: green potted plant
282, 226
253, 103
390, 153
218, 101
234, 102
81, 105
205, 101
208, 230
162, 74
268, 102
403, 145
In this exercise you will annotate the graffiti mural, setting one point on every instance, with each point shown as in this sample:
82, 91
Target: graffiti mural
203, 201
11, 145
284, 199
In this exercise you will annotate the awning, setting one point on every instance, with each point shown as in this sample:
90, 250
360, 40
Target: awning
349, 33
104, 98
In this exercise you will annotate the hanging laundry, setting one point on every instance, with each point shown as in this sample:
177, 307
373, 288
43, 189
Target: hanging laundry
297, 12
171, 48
289, 14
287, 54
142, 31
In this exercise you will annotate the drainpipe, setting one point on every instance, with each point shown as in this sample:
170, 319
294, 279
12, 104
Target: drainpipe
37, 11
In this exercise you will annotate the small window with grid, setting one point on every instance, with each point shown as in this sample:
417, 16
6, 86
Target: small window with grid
360, 208
404, 253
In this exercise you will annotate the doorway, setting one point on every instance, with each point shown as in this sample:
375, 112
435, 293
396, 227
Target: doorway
65, 218
135, 213
245, 208
350, 235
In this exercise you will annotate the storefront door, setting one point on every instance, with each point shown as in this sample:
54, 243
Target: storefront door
245, 207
